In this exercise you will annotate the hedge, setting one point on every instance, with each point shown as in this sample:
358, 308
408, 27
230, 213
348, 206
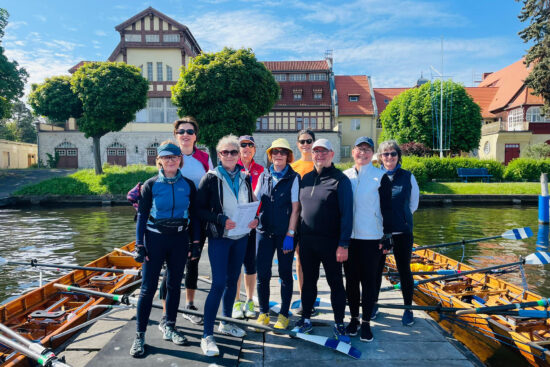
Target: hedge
526, 169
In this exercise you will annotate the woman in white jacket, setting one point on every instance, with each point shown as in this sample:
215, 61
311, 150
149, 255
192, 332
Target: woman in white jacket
371, 235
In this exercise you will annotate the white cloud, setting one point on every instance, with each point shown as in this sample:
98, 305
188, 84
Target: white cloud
100, 33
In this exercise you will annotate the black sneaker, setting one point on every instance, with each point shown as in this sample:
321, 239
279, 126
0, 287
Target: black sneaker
299, 311
314, 312
353, 326
138, 346
366, 333
194, 319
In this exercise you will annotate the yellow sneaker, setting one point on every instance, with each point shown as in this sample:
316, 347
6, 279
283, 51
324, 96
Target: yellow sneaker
263, 320
282, 322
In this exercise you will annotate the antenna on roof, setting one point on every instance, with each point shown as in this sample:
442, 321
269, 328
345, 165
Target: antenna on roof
328, 57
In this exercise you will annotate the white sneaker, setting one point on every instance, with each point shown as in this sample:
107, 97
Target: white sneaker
237, 312
233, 330
209, 347
249, 312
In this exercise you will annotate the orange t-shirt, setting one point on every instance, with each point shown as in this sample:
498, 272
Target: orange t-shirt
302, 167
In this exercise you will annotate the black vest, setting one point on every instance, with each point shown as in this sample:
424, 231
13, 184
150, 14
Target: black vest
402, 220
276, 203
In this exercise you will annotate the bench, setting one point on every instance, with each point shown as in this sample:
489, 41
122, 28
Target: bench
482, 173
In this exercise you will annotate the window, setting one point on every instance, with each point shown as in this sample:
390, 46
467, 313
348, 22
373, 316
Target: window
150, 71
280, 77
132, 37
355, 124
310, 123
141, 69
158, 110
515, 120
318, 76
264, 123
171, 37
297, 77
353, 98
317, 93
152, 38
299, 123
534, 115
168, 73
345, 151
159, 71
487, 147
378, 124
297, 93
386, 101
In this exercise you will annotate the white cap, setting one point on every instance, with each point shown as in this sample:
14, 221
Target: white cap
323, 143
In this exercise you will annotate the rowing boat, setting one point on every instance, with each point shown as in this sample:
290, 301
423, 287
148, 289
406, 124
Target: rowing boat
493, 338
46, 313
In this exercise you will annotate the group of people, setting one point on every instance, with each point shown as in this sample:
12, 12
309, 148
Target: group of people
308, 209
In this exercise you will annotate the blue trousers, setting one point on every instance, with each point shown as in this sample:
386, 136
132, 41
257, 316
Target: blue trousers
226, 259
266, 246
173, 249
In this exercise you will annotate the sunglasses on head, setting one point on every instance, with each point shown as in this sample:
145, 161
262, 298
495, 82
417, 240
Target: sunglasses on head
244, 145
226, 153
183, 131
279, 152
305, 141
387, 154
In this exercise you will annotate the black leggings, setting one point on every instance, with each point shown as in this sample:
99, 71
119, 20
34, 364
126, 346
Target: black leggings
361, 269
402, 250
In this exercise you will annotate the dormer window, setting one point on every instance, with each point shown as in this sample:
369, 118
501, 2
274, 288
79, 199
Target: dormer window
280, 77
297, 77
317, 93
353, 97
297, 93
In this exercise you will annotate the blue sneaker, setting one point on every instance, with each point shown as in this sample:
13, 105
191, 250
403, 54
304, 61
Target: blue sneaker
340, 333
408, 318
303, 327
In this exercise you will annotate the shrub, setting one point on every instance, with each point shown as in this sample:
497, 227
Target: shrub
526, 169
537, 151
416, 149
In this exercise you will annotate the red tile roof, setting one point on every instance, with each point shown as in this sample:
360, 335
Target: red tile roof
383, 94
483, 96
77, 66
321, 65
353, 85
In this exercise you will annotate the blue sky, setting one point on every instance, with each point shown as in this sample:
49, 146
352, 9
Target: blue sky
393, 41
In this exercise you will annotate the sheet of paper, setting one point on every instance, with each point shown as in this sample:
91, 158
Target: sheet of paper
245, 214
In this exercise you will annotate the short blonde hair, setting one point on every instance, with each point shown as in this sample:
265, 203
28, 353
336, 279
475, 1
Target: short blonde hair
228, 140
158, 161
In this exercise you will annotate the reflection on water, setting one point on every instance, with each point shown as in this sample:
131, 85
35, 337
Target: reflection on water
80, 235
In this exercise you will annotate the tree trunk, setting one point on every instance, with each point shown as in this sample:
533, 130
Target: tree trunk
97, 155
213, 156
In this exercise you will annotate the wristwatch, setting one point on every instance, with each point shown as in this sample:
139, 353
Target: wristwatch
291, 232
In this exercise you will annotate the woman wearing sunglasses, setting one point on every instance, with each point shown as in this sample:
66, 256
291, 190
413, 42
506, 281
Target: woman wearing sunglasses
277, 189
220, 192
404, 202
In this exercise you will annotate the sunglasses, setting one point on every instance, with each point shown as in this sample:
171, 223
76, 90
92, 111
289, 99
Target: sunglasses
183, 131
387, 154
279, 152
227, 153
321, 152
250, 145
305, 141
172, 158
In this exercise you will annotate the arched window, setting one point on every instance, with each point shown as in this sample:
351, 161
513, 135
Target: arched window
534, 115
116, 154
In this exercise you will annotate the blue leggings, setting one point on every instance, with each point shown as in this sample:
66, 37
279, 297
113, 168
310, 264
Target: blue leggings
265, 248
226, 259
173, 249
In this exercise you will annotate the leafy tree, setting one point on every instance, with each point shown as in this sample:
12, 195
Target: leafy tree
537, 151
226, 92
537, 13
23, 123
111, 93
409, 116
55, 99
12, 77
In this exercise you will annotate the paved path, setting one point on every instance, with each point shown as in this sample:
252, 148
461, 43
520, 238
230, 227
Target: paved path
13, 179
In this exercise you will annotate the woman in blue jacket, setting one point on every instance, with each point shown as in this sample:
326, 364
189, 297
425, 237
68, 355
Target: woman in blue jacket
166, 211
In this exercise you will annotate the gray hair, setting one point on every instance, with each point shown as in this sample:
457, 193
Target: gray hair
228, 140
390, 145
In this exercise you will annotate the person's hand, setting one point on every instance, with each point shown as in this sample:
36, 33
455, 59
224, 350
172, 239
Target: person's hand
386, 243
140, 254
288, 244
253, 224
341, 254
229, 224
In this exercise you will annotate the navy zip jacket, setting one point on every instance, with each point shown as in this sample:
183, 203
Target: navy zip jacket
327, 205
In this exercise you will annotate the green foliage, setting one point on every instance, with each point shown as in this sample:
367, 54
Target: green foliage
526, 169
480, 188
55, 99
537, 151
409, 116
537, 14
226, 92
52, 159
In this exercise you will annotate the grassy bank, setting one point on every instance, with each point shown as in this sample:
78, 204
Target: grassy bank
118, 180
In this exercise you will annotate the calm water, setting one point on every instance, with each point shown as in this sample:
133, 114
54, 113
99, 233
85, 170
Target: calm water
80, 235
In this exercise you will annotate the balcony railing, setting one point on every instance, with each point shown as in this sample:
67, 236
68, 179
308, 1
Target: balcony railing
498, 126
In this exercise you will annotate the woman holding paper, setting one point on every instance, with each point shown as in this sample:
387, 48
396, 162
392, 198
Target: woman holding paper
220, 192
277, 190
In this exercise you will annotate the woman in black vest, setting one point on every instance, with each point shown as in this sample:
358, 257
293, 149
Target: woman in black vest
277, 189
404, 202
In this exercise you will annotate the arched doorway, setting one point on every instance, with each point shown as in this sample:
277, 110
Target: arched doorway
68, 155
116, 154
152, 154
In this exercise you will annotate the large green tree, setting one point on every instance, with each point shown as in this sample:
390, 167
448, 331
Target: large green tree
111, 93
414, 114
23, 122
537, 13
12, 77
226, 92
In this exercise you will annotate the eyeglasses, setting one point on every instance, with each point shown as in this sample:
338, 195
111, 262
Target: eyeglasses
305, 141
321, 152
183, 131
364, 151
387, 154
227, 153
172, 158
250, 145
279, 152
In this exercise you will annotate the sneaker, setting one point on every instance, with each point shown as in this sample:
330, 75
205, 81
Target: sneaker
314, 312
353, 326
209, 347
282, 322
366, 333
408, 318
237, 310
340, 333
303, 327
138, 346
263, 320
162, 323
299, 311
249, 312
374, 312
194, 319
232, 330
176, 336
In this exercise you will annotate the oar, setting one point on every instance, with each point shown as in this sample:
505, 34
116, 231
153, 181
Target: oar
420, 308
320, 340
533, 314
441, 272
543, 302
35, 263
47, 359
512, 234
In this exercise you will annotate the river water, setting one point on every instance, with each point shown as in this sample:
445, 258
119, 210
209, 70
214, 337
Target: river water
80, 235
